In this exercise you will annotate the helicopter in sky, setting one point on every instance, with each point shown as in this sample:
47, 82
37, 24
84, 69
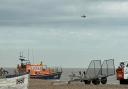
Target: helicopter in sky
83, 16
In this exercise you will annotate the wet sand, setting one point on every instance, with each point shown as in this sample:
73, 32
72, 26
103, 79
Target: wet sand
49, 84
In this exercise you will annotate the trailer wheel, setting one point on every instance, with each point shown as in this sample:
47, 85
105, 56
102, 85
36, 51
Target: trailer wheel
87, 82
104, 80
96, 81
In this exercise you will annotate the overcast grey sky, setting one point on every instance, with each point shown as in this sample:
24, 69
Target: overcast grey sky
54, 31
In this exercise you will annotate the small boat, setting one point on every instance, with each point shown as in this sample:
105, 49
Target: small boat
13, 81
38, 71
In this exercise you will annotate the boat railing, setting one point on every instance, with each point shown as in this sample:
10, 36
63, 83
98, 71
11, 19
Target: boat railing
57, 69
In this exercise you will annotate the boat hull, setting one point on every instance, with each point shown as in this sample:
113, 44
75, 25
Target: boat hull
53, 76
14, 82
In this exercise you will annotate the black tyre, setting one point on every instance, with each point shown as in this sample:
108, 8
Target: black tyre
104, 80
123, 81
96, 81
87, 81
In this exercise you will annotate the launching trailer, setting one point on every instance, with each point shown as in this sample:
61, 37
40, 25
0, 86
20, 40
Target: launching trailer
96, 73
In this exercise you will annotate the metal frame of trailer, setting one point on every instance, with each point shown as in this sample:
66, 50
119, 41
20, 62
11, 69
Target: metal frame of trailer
96, 73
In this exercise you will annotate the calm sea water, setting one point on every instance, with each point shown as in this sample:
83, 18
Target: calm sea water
68, 71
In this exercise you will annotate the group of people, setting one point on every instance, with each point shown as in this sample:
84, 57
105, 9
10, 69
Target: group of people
3, 72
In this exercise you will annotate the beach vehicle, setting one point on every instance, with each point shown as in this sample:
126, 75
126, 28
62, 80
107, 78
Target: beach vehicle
38, 71
96, 72
122, 72
13, 81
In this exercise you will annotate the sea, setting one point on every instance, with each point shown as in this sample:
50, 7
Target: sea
68, 71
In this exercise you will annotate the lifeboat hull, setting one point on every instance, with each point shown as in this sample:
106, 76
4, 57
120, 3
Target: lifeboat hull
52, 76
